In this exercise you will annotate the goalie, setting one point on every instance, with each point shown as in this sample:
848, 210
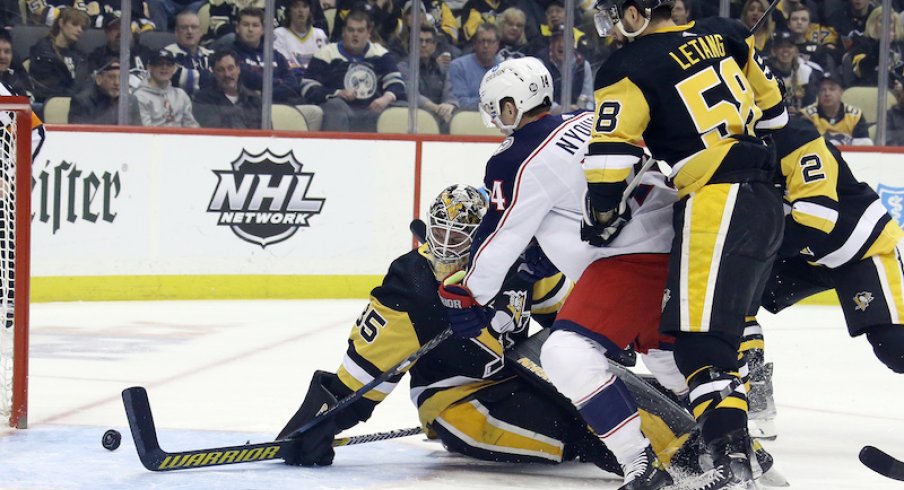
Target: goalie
466, 394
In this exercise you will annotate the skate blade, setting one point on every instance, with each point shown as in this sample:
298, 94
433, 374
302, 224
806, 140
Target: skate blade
773, 479
762, 429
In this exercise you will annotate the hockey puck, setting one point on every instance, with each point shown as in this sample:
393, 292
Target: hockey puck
111, 439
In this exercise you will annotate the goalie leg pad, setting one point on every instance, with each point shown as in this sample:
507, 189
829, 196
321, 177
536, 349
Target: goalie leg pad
888, 345
577, 366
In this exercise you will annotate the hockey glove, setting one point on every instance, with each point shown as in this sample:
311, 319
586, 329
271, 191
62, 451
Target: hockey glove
599, 228
315, 445
466, 316
511, 307
535, 265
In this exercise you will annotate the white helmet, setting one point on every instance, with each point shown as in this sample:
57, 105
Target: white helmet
454, 217
525, 80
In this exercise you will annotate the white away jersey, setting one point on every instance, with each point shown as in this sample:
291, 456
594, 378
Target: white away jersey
536, 185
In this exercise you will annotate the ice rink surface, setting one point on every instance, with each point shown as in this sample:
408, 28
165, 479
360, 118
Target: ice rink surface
226, 372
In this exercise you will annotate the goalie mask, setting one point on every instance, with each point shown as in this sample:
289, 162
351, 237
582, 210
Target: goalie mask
611, 12
454, 218
524, 80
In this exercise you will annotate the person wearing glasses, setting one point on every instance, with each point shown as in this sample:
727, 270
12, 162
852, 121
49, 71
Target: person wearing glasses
466, 72
192, 60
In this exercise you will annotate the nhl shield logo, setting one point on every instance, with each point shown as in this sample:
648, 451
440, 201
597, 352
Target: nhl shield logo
893, 199
263, 198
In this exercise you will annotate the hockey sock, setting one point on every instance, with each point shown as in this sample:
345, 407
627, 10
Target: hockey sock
611, 412
718, 397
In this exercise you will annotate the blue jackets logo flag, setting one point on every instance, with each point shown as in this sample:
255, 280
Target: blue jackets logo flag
263, 198
893, 200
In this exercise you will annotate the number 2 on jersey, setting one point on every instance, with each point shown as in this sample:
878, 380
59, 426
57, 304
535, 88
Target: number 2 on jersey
727, 116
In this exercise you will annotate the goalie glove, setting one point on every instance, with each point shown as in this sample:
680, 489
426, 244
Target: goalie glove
466, 316
315, 445
599, 228
511, 307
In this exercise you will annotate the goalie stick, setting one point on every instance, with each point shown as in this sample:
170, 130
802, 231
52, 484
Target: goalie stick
144, 432
882, 463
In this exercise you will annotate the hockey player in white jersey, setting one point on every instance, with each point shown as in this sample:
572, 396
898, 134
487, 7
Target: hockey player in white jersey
536, 184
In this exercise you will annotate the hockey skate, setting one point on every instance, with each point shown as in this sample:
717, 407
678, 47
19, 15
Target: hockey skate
731, 464
761, 416
646, 473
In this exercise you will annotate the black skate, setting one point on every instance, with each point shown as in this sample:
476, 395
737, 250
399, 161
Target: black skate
731, 463
646, 473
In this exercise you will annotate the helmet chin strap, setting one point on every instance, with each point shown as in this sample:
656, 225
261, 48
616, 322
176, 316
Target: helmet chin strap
632, 35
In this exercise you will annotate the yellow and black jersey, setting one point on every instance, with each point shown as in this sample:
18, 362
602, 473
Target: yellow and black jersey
834, 219
404, 312
846, 127
689, 92
476, 12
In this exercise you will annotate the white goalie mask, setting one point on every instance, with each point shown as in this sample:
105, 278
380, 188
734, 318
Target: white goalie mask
524, 80
454, 218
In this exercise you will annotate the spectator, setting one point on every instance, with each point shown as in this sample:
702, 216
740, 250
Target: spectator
10, 15
512, 41
786, 7
841, 124
165, 13
850, 21
386, 16
298, 39
477, 12
57, 67
801, 77
815, 42
159, 102
435, 92
317, 14
466, 72
354, 79
895, 127
862, 62
224, 18
534, 12
750, 15
99, 104
581, 77
680, 13
227, 104
249, 47
555, 17
11, 73
192, 60
102, 10
110, 49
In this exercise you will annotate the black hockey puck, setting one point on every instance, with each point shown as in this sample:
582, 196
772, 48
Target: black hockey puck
111, 439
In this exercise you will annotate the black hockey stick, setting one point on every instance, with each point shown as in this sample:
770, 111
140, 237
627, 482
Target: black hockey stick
882, 463
419, 229
144, 432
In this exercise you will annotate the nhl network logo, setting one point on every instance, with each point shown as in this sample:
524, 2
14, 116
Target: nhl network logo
264, 197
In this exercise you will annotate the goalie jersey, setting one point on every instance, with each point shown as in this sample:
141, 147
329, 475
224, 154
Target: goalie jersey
834, 219
404, 312
690, 92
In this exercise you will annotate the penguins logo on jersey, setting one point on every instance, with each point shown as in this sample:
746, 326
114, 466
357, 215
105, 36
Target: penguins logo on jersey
893, 200
264, 197
862, 300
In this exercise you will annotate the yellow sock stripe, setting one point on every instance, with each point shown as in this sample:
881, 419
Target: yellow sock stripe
890, 274
700, 409
753, 344
689, 378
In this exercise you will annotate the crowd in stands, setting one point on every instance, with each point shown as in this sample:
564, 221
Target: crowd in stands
341, 63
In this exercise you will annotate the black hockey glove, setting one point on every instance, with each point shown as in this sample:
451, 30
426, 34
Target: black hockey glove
535, 265
599, 228
315, 445
511, 307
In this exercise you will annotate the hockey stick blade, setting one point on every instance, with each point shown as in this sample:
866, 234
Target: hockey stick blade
144, 433
882, 463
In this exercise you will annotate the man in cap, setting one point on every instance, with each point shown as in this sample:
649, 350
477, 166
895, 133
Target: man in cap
100, 103
159, 102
